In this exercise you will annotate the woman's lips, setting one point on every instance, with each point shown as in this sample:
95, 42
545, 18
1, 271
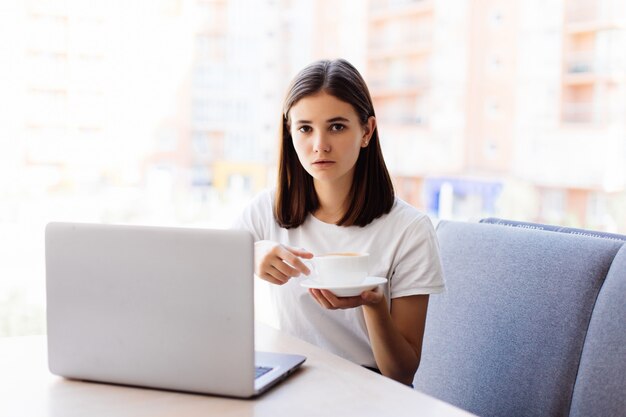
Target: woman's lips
323, 163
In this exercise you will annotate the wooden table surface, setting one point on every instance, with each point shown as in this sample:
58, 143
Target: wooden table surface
326, 385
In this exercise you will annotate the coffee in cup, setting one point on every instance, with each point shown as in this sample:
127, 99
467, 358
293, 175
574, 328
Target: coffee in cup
340, 268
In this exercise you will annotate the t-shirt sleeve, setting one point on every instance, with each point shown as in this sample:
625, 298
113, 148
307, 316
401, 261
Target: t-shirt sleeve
418, 265
255, 216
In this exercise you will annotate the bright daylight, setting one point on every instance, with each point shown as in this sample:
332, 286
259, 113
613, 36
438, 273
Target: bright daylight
180, 113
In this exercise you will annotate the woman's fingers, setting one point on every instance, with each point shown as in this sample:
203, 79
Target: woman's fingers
328, 300
284, 268
273, 276
342, 302
372, 297
321, 300
301, 252
272, 280
277, 263
292, 257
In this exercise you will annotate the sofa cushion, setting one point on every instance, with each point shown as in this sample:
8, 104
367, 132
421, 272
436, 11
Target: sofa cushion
600, 388
506, 337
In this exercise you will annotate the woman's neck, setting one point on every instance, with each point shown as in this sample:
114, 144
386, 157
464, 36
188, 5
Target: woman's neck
333, 200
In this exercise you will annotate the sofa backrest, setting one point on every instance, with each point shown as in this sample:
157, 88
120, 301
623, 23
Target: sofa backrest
506, 337
554, 228
600, 388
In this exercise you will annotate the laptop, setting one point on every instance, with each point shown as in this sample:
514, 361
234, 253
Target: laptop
158, 307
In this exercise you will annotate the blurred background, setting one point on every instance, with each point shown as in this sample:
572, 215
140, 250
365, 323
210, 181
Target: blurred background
166, 112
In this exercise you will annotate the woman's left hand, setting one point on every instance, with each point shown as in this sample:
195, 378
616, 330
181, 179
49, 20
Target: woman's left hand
328, 300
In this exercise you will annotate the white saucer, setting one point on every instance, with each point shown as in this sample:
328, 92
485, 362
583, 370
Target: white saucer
368, 283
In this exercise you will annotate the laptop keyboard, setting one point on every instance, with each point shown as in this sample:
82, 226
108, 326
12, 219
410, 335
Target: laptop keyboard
261, 370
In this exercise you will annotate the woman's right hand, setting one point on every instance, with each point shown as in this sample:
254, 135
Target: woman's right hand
278, 263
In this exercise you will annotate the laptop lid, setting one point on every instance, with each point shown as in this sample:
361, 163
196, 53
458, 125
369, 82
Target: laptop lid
152, 306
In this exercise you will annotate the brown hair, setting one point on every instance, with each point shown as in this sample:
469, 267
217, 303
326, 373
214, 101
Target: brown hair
371, 194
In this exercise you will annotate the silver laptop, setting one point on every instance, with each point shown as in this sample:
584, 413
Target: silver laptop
168, 308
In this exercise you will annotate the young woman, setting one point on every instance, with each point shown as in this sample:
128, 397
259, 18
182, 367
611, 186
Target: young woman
334, 194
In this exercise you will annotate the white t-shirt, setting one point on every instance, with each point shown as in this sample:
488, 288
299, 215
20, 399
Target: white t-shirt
403, 248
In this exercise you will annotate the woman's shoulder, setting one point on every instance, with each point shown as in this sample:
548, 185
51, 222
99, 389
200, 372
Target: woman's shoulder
402, 209
404, 215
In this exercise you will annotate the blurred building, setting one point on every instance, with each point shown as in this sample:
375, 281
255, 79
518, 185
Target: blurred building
417, 72
590, 180
215, 138
487, 107
503, 108
221, 139
52, 71
80, 100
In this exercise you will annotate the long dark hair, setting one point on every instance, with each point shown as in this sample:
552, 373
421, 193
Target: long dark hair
371, 194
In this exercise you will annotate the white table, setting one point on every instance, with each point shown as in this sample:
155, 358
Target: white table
325, 386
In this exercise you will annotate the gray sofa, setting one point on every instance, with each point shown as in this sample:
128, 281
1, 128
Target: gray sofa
532, 323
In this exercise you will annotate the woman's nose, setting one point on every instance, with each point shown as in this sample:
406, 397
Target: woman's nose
321, 144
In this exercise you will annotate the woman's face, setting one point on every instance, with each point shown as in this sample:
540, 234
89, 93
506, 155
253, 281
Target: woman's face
327, 135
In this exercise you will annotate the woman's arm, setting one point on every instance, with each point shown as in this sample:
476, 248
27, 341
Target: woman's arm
396, 337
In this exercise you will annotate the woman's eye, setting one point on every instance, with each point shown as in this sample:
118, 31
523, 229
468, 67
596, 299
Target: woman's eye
337, 127
304, 129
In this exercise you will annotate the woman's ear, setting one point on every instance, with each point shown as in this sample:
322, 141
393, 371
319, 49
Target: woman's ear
368, 131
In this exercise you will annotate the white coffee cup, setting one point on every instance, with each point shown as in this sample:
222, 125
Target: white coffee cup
341, 269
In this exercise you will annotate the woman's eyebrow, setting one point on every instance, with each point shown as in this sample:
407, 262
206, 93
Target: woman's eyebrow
332, 120
337, 119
